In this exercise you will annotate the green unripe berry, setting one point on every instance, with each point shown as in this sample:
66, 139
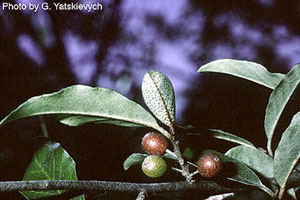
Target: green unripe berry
154, 166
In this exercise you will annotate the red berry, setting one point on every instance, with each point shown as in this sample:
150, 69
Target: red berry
154, 144
209, 165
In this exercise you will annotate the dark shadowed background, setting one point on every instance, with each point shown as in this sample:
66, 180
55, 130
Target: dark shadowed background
45, 51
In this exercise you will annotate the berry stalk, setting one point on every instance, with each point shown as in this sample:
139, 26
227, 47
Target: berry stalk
185, 168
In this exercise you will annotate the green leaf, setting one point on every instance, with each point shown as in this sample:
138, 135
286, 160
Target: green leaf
79, 120
158, 94
287, 153
278, 100
219, 134
292, 194
243, 173
254, 158
81, 104
81, 197
243, 69
133, 159
51, 162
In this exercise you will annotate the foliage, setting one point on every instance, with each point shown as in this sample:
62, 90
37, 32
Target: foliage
77, 105
50, 162
287, 152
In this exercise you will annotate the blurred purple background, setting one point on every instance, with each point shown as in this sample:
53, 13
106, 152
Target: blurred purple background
165, 35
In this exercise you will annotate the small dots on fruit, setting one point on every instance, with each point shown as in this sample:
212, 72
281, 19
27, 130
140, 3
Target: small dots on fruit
154, 143
154, 166
209, 165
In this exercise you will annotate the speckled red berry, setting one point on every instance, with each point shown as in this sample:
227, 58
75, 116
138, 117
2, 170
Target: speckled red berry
154, 144
209, 165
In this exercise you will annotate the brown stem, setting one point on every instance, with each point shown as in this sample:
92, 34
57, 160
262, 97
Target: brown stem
150, 188
293, 181
281, 193
185, 168
172, 131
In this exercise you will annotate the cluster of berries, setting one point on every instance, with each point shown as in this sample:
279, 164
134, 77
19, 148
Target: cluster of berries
155, 145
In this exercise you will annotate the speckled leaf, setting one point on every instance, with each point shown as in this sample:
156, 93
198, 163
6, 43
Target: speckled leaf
278, 101
243, 173
287, 153
254, 158
134, 159
159, 96
244, 69
50, 162
79, 104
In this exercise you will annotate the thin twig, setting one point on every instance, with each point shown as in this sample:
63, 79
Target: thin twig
176, 169
221, 196
142, 195
190, 163
171, 153
185, 168
194, 173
